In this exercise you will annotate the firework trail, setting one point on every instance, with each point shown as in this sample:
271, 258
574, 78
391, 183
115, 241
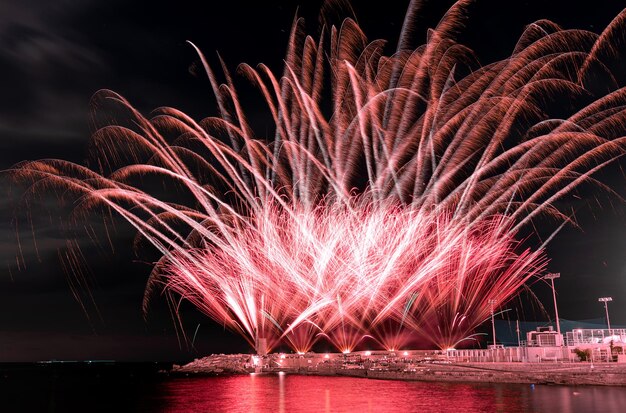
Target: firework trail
387, 204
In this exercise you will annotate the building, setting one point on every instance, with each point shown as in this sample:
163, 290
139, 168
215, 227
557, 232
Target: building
545, 345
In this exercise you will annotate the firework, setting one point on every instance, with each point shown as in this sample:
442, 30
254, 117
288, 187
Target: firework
392, 215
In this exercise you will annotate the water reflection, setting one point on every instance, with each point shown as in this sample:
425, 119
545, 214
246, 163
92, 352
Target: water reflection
281, 392
289, 393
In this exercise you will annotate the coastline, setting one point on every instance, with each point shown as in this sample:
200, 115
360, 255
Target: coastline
570, 374
605, 374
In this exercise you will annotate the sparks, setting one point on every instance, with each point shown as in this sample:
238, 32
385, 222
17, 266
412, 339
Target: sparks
393, 215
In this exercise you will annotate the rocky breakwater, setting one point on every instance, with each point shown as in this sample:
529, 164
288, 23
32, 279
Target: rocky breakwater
214, 365
579, 373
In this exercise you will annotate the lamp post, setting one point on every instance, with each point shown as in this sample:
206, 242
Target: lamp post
606, 300
493, 323
551, 276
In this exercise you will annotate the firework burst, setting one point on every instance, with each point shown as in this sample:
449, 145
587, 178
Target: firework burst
386, 208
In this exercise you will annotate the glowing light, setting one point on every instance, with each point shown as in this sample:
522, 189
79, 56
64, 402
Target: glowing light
368, 353
326, 356
406, 353
394, 215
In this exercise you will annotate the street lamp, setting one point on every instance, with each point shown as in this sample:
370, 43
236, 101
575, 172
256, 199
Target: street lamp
551, 276
606, 300
493, 323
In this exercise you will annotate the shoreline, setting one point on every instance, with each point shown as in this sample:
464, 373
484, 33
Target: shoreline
569, 374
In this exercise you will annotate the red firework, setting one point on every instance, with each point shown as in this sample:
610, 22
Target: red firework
391, 218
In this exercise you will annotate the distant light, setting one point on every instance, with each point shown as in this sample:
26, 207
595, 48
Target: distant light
326, 356
368, 353
281, 373
406, 353
392, 349
300, 353
282, 356
346, 351
450, 349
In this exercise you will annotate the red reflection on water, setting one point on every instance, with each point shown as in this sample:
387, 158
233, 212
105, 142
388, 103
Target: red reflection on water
286, 393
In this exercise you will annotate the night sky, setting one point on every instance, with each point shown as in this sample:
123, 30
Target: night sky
55, 55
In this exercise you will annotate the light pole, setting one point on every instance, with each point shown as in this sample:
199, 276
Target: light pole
493, 323
606, 300
551, 276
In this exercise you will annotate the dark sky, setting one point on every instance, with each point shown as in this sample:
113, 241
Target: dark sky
55, 55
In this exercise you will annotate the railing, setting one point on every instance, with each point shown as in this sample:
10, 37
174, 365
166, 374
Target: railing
492, 354
595, 336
